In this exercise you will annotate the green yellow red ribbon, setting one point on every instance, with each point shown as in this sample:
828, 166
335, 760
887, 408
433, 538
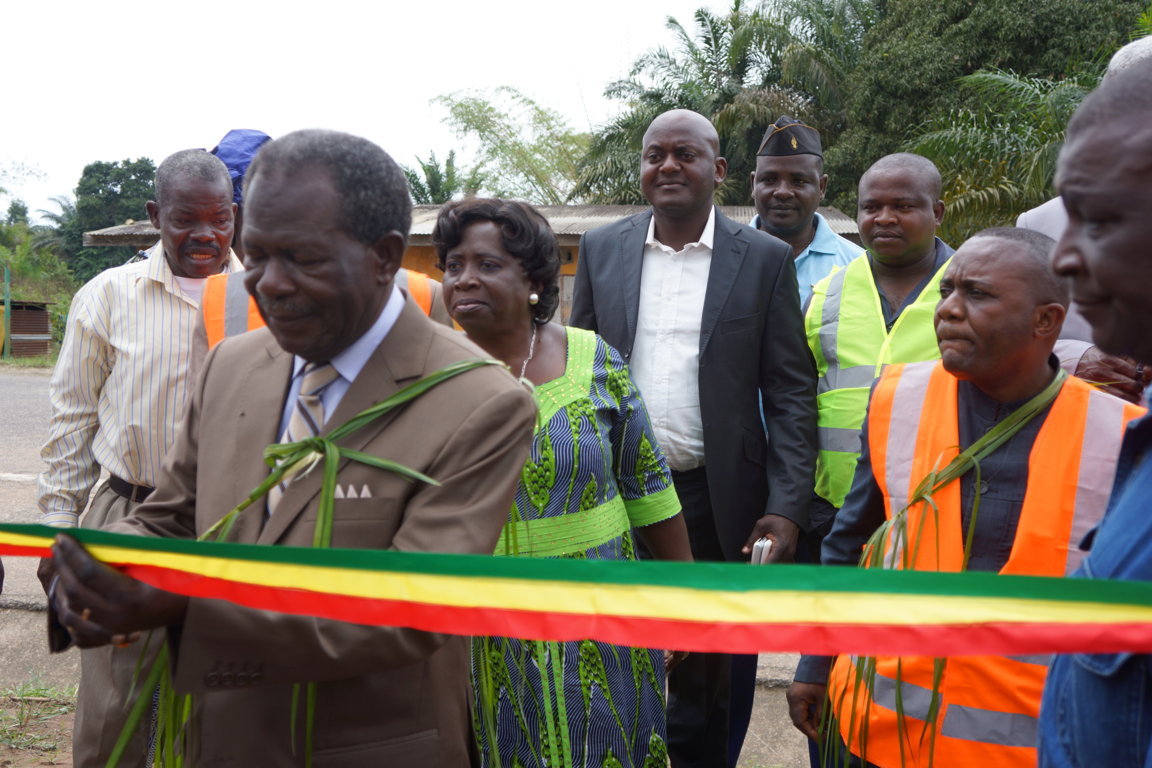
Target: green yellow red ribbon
700, 607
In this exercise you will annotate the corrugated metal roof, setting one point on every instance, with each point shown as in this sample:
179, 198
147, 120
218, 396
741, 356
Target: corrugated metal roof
568, 222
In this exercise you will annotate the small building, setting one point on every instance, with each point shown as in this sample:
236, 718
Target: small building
31, 329
569, 222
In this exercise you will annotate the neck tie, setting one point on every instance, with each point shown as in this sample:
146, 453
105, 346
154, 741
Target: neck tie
307, 416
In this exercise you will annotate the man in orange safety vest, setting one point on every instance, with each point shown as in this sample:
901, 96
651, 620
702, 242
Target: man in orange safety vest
1022, 511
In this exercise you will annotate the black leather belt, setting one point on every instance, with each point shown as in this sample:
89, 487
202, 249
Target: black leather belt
121, 487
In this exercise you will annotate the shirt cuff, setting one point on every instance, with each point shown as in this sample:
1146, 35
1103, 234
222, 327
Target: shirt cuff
814, 669
60, 519
653, 508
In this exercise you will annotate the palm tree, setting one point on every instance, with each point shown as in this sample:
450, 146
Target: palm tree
60, 234
823, 42
742, 69
722, 69
434, 184
998, 157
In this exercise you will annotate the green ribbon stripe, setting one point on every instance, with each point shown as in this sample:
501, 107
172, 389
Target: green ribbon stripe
719, 577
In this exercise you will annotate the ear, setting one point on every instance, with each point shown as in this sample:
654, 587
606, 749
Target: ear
938, 211
389, 252
721, 169
153, 213
752, 181
1048, 319
823, 185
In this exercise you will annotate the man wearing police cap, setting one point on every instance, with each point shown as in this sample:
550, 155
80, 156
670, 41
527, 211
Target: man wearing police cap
787, 186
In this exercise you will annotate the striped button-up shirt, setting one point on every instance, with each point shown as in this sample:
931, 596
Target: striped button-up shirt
120, 385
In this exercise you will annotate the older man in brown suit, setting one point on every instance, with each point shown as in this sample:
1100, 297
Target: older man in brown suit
326, 224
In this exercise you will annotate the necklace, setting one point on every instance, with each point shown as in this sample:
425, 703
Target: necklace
531, 351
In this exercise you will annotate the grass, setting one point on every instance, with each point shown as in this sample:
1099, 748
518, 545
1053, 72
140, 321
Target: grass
40, 361
26, 709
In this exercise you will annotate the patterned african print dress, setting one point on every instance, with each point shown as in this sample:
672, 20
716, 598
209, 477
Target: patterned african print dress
594, 473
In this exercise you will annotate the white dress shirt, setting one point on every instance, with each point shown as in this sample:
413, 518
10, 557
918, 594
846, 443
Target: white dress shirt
666, 353
120, 384
348, 363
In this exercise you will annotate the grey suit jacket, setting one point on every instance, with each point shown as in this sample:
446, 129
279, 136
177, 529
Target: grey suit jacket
386, 695
752, 353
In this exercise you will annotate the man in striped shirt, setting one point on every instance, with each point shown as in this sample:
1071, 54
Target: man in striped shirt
118, 394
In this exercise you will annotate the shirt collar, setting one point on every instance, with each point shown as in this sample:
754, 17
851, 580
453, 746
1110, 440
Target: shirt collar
352, 360
705, 240
824, 239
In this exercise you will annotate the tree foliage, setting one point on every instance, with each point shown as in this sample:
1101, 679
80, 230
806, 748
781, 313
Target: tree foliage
721, 67
37, 272
999, 158
526, 151
742, 69
913, 57
108, 194
436, 184
17, 212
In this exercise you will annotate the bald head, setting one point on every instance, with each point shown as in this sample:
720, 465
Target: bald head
1103, 179
680, 166
686, 120
1133, 53
1121, 106
922, 171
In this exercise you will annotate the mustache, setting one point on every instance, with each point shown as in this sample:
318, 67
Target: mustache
281, 306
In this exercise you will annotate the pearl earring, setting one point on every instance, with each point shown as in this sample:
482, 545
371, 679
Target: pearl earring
533, 298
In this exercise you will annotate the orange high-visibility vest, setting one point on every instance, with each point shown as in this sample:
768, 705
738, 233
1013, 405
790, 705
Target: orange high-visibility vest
987, 706
229, 309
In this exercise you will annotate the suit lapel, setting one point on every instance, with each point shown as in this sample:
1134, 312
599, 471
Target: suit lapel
631, 258
399, 360
728, 251
259, 415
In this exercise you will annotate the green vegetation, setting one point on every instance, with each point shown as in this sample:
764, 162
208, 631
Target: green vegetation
25, 711
38, 274
526, 151
435, 184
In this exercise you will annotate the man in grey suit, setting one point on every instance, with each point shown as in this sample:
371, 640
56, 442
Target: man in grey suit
706, 312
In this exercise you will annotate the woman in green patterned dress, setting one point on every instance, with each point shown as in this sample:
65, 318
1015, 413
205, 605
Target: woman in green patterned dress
595, 476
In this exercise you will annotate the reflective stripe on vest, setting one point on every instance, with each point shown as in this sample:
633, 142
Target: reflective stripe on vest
230, 310
850, 355
988, 705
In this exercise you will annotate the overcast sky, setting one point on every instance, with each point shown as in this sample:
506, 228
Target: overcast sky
112, 79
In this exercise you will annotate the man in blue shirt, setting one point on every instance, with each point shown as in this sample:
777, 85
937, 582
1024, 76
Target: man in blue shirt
1097, 708
788, 184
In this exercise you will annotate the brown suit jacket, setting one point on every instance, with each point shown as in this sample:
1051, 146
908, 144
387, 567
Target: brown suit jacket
386, 696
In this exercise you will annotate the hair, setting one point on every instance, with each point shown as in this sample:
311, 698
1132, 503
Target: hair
525, 233
924, 169
194, 163
371, 189
1047, 288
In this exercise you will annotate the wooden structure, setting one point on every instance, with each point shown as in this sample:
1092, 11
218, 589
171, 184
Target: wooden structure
569, 222
31, 329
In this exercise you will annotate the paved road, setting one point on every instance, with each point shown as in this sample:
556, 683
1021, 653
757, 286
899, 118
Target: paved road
24, 415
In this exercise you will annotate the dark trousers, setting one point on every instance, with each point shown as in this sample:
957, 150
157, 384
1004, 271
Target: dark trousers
706, 721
